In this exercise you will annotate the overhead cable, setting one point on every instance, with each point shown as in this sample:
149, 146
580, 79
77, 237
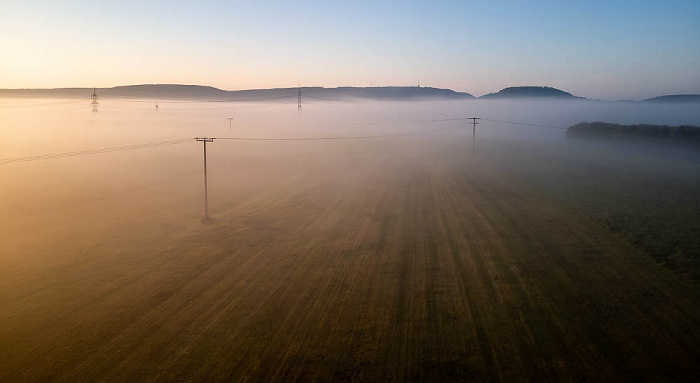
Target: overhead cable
4, 161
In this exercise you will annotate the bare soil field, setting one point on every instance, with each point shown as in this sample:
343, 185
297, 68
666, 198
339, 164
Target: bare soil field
648, 194
403, 260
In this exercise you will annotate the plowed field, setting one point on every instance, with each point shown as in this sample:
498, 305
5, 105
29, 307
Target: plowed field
422, 263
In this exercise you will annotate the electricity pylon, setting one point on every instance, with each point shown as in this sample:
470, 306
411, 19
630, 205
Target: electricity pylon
94, 102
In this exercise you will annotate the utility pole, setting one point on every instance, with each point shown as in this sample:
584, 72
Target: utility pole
474, 123
204, 140
299, 102
230, 123
156, 106
94, 102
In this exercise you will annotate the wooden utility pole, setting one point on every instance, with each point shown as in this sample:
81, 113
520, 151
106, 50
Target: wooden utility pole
204, 140
474, 123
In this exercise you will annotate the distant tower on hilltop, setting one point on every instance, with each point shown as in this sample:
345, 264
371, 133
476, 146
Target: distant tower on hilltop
94, 102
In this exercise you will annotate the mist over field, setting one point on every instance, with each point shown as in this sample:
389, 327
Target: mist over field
143, 181
349, 191
387, 248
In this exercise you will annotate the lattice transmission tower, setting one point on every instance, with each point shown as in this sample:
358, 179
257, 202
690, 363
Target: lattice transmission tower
94, 102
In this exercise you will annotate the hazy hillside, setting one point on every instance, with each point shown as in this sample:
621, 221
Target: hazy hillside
163, 91
676, 98
393, 92
175, 91
201, 92
529, 91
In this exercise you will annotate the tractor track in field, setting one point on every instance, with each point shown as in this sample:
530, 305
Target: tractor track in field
418, 269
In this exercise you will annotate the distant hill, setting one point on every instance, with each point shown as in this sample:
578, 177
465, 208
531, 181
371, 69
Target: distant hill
163, 91
198, 92
530, 91
604, 130
154, 92
675, 98
392, 92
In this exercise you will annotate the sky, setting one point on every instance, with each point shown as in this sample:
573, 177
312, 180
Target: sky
596, 49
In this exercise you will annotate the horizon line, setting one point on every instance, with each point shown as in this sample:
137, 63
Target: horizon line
344, 86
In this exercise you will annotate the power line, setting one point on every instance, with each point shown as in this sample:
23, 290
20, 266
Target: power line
50, 156
209, 101
526, 124
307, 96
329, 138
327, 99
403, 121
4, 161
42, 104
453, 119
188, 109
109, 107
175, 109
